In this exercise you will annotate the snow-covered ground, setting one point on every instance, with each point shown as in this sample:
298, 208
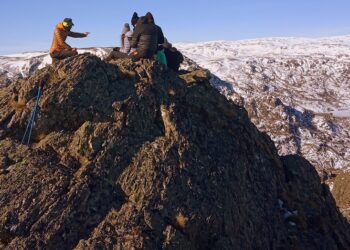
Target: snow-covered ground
280, 46
306, 73
297, 90
342, 113
21, 65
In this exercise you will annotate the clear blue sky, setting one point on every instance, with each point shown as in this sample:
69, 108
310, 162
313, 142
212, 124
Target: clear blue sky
28, 25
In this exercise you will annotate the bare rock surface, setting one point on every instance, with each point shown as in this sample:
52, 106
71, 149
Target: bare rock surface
130, 156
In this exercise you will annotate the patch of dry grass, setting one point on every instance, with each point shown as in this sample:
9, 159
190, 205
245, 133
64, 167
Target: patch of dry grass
181, 220
18, 105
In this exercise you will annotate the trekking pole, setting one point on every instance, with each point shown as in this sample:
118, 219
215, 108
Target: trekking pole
33, 114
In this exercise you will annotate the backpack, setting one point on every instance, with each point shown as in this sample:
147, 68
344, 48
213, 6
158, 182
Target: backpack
174, 58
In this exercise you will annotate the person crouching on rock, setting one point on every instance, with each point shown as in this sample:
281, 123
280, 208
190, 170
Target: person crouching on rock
125, 49
160, 51
60, 49
144, 40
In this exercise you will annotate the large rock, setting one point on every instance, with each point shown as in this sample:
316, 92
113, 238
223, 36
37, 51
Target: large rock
130, 156
341, 192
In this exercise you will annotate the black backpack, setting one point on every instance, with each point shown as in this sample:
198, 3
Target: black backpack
174, 58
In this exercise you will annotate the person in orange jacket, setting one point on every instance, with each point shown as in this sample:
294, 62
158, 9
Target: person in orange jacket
60, 49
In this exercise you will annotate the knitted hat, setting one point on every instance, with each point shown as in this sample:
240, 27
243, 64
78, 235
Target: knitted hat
134, 19
149, 17
126, 28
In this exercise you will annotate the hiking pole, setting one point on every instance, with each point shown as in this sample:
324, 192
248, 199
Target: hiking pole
33, 114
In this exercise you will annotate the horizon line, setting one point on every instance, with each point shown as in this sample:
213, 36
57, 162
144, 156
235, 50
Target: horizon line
208, 41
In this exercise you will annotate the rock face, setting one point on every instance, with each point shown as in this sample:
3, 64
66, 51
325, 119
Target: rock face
341, 192
294, 89
130, 156
309, 78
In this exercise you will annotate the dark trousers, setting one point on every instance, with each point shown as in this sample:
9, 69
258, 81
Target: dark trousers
116, 55
63, 54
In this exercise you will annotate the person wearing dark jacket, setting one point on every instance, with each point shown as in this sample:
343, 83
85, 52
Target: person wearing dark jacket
160, 34
144, 40
160, 51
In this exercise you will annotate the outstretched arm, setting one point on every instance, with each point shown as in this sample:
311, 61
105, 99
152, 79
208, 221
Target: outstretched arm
77, 34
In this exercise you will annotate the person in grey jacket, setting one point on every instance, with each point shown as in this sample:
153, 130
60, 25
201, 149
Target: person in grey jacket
144, 39
124, 50
126, 37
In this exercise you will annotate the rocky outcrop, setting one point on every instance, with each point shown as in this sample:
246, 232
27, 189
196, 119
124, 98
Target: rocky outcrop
4, 79
340, 184
130, 156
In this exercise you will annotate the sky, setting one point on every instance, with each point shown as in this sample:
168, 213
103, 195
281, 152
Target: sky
28, 25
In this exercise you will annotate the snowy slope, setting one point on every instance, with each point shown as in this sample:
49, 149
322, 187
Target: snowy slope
304, 72
21, 65
297, 90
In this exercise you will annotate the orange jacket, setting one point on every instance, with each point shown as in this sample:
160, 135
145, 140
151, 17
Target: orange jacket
60, 36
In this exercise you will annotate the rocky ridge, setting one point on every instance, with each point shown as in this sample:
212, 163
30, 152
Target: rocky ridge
129, 155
